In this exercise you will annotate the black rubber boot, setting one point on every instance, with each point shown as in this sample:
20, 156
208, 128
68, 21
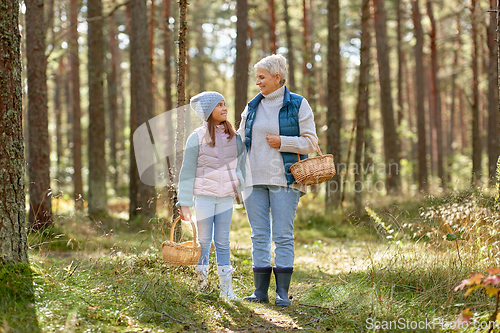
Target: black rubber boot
261, 279
283, 275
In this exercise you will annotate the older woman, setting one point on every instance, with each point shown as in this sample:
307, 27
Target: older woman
273, 125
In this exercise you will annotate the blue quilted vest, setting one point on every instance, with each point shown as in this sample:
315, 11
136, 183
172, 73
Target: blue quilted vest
288, 123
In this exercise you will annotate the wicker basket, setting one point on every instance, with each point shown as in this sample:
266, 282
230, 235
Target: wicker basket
187, 253
314, 170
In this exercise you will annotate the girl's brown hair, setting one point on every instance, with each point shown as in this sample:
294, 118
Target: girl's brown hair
228, 129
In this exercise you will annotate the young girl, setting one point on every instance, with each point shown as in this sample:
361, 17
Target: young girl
212, 172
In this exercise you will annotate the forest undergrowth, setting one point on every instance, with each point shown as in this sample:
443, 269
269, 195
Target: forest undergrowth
396, 267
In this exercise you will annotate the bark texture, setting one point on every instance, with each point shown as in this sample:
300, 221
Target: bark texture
13, 240
76, 112
141, 93
97, 199
423, 184
40, 214
362, 108
391, 138
333, 102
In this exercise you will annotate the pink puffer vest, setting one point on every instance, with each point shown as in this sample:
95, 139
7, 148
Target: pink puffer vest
216, 167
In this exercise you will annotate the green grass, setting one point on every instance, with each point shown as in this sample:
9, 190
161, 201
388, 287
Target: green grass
108, 276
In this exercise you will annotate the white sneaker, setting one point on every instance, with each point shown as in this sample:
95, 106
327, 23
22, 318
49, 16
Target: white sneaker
226, 283
201, 275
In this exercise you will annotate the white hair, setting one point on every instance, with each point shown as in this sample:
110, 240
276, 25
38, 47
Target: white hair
274, 64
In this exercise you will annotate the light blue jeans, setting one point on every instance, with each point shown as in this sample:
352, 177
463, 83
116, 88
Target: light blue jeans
213, 218
262, 202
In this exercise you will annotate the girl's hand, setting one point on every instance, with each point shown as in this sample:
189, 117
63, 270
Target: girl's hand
185, 213
274, 141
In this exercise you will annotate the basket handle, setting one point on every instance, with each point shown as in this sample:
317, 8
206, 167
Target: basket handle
192, 226
315, 143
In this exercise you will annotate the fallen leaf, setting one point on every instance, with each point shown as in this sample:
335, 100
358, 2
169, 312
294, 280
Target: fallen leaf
491, 291
492, 270
492, 279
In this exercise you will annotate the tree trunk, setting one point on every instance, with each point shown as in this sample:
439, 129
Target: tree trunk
140, 67
436, 97
289, 45
75, 103
181, 100
152, 21
112, 78
200, 45
272, 26
306, 50
241, 65
451, 134
400, 62
39, 157
423, 184
391, 139
97, 200
476, 135
334, 106
167, 44
362, 108
13, 239
492, 95
58, 115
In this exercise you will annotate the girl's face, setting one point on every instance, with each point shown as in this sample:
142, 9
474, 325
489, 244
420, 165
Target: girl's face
267, 82
219, 114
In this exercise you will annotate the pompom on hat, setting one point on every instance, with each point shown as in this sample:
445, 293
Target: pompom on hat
204, 103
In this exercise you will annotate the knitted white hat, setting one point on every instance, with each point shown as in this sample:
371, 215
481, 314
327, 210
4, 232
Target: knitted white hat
204, 103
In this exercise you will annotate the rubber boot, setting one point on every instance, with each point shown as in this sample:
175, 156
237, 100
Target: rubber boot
226, 282
201, 275
283, 275
261, 279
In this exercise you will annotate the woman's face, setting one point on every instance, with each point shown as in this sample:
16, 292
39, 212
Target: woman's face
266, 81
219, 113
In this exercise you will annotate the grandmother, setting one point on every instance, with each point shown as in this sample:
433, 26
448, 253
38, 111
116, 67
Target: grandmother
272, 127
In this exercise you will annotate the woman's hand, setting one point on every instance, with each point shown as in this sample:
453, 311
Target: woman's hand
274, 141
185, 213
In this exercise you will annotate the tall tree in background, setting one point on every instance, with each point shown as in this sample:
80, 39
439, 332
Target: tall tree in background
200, 61
13, 239
40, 213
289, 45
306, 49
400, 61
476, 136
58, 114
140, 68
272, 26
74, 61
241, 64
112, 80
97, 198
181, 100
391, 139
451, 134
362, 107
134, 208
334, 111
423, 184
152, 25
492, 94
167, 44
435, 97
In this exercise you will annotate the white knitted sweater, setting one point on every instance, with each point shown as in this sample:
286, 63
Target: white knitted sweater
264, 165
